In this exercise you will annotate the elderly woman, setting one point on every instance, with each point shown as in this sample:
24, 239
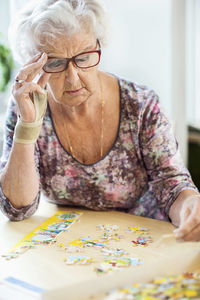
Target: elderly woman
85, 137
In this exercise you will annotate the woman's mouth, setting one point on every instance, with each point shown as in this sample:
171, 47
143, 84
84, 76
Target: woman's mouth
74, 92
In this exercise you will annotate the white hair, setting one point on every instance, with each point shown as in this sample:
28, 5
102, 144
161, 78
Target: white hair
43, 21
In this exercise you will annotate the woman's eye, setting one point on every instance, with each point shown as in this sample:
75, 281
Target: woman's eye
55, 63
82, 58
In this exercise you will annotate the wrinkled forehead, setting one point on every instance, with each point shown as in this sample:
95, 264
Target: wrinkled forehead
70, 44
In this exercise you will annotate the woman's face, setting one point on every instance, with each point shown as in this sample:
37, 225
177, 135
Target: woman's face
73, 86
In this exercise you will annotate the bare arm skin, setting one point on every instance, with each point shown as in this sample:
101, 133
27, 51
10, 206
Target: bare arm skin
19, 179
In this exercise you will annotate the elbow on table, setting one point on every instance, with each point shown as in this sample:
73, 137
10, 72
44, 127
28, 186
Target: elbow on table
18, 214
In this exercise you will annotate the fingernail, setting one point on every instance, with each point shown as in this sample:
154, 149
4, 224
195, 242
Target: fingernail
177, 233
42, 56
179, 236
180, 240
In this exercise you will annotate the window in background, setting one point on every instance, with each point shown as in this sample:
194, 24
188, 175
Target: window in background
148, 46
193, 63
193, 88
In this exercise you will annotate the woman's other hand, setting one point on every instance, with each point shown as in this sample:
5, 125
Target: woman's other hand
189, 228
185, 213
23, 90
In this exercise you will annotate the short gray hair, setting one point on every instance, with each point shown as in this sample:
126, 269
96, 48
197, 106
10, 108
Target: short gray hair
45, 20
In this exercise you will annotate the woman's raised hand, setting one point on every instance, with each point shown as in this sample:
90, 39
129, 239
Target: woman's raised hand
24, 86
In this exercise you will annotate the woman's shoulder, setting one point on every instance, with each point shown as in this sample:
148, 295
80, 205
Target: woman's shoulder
133, 88
139, 96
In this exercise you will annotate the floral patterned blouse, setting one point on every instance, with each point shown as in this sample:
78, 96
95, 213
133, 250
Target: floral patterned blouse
142, 173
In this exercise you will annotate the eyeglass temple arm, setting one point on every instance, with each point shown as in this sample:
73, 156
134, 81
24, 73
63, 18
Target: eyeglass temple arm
99, 44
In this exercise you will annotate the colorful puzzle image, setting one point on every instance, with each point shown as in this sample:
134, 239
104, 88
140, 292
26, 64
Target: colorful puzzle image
44, 234
182, 287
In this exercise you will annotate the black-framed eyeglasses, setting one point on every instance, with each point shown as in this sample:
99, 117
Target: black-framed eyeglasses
83, 60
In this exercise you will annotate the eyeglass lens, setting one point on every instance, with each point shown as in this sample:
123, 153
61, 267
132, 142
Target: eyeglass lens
84, 60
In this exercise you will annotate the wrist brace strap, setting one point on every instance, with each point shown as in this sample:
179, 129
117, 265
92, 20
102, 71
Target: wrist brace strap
27, 133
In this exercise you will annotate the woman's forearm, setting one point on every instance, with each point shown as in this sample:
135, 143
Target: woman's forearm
19, 180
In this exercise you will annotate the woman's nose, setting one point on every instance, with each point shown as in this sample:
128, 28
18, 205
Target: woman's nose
71, 73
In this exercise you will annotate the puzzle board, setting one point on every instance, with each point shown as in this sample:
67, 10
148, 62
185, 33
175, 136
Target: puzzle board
45, 265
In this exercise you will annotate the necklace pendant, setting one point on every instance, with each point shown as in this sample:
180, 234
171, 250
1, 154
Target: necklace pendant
71, 150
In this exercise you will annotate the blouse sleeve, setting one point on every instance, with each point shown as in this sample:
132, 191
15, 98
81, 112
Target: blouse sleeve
167, 175
7, 208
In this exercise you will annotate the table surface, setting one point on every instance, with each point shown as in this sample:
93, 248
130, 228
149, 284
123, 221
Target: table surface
45, 267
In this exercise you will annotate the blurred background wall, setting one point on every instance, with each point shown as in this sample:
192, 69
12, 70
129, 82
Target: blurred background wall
148, 46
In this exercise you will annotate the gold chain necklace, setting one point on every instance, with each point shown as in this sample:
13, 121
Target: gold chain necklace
102, 129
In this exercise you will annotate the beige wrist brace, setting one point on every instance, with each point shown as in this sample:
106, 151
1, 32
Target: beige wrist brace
27, 133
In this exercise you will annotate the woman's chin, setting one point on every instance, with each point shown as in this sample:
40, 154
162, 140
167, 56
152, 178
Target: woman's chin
73, 100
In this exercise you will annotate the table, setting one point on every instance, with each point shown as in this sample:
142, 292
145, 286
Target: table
45, 267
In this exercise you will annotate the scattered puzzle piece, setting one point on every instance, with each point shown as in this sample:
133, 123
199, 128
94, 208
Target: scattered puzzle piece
143, 240
72, 248
112, 264
111, 236
138, 229
108, 227
10, 255
78, 260
114, 252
